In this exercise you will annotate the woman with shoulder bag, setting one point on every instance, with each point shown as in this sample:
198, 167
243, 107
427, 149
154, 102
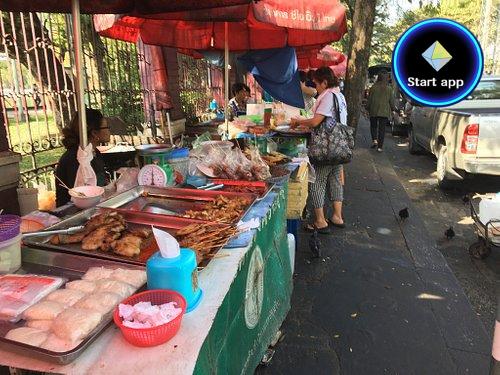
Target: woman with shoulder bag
329, 111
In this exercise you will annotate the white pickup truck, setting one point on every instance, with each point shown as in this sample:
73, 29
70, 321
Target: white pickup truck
464, 137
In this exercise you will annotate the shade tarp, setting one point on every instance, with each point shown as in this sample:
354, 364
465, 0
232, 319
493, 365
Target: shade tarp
115, 6
197, 29
317, 57
276, 72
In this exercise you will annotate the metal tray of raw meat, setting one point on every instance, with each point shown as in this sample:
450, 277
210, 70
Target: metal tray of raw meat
171, 224
261, 188
71, 267
164, 202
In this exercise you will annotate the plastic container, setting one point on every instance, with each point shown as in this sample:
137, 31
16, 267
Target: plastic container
179, 274
180, 169
10, 243
155, 335
10, 255
489, 209
28, 200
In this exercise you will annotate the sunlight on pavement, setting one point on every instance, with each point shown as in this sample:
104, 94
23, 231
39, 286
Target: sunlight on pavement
466, 220
429, 296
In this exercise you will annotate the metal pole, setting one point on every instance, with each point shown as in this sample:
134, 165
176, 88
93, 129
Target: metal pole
80, 96
226, 77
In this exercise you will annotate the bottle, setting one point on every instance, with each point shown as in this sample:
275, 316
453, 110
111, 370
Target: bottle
213, 105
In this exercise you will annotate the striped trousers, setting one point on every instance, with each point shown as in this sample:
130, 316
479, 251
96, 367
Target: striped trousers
327, 176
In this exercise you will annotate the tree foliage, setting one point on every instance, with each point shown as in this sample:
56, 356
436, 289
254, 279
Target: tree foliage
466, 12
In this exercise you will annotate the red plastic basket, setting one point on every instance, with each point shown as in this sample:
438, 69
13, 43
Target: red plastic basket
155, 335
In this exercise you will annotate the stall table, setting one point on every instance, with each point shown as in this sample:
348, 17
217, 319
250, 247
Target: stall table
246, 297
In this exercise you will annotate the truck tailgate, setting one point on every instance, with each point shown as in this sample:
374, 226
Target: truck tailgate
489, 137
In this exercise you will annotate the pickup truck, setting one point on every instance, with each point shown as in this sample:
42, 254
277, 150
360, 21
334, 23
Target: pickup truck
465, 137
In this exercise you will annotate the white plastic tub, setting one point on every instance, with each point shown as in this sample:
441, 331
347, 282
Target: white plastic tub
10, 255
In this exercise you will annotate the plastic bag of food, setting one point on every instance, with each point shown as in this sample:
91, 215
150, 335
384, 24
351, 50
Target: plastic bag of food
136, 278
44, 324
43, 310
97, 273
82, 285
260, 170
75, 324
127, 179
18, 292
56, 344
66, 297
113, 286
27, 335
102, 302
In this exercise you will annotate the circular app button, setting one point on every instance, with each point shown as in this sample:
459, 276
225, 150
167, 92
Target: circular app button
437, 62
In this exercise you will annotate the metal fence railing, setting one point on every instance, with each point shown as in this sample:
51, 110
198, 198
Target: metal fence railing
37, 96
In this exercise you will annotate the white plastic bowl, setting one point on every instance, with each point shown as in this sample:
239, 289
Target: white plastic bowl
93, 196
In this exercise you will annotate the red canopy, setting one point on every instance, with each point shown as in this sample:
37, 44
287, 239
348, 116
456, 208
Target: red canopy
315, 57
197, 30
115, 6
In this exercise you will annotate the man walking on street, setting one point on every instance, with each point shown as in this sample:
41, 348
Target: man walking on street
379, 108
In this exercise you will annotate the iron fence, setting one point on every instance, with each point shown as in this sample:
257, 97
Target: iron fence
199, 83
37, 95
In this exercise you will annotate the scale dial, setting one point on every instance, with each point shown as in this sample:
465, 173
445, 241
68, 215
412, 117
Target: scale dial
152, 175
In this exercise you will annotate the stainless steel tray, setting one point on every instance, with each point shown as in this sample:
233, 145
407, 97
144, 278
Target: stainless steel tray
71, 267
169, 223
174, 201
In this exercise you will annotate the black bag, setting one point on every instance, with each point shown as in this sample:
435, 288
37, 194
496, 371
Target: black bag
331, 141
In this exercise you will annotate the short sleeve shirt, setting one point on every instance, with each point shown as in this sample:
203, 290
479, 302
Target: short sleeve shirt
324, 105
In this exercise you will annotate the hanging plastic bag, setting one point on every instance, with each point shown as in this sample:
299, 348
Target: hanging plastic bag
85, 176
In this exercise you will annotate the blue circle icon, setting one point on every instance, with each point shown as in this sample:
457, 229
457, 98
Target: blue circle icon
437, 62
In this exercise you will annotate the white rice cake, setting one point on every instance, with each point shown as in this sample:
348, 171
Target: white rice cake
102, 302
97, 273
43, 310
55, 344
136, 278
81, 285
44, 325
27, 335
65, 297
75, 324
124, 290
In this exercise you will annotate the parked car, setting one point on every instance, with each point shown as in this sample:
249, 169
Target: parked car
400, 121
464, 137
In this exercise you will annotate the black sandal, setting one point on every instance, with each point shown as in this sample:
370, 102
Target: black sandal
341, 226
325, 230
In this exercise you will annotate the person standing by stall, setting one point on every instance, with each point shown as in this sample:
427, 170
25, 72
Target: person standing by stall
309, 93
379, 106
326, 175
238, 104
97, 133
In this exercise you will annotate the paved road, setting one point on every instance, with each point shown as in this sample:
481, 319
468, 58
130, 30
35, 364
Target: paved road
382, 299
441, 209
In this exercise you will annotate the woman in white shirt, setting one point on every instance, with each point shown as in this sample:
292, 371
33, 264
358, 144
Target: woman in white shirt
326, 175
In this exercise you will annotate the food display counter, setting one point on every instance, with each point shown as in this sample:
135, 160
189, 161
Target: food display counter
246, 295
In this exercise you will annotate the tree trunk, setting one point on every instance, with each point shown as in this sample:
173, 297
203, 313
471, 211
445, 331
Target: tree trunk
51, 76
359, 54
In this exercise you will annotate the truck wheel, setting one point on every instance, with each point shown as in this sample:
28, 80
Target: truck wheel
443, 177
413, 147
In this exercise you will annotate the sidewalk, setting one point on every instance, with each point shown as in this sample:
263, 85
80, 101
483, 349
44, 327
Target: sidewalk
383, 300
